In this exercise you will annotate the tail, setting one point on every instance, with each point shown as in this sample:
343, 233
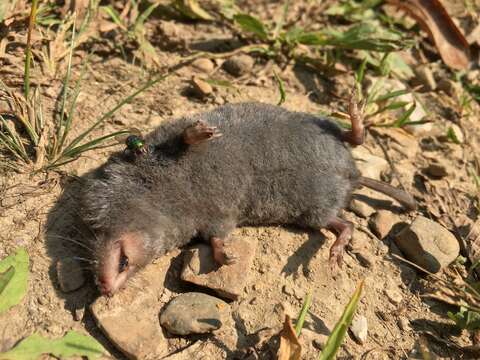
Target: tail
401, 196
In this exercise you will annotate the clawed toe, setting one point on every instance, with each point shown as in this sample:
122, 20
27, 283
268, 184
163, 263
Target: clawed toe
200, 132
221, 258
230, 259
336, 259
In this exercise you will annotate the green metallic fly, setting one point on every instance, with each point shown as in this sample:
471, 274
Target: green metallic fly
134, 141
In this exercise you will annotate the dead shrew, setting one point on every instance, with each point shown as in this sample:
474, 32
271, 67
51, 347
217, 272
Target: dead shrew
204, 175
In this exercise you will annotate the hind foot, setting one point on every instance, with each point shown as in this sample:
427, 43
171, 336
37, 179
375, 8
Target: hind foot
356, 135
200, 132
344, 231
219, 254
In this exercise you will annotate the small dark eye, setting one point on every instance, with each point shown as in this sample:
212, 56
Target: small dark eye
122, 266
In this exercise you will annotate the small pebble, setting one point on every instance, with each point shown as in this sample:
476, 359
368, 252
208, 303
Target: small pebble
359, 328
425, 77
394, 295
382, 222
403, 324
70, 275
239, 65
203, 65
317, 340
200, 88
194, 313
436, 170
450, 87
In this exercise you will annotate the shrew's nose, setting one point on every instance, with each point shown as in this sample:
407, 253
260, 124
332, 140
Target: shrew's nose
105, 287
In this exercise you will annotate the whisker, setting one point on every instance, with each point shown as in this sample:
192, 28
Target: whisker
74, 241
91, 261
88, 227
81, 269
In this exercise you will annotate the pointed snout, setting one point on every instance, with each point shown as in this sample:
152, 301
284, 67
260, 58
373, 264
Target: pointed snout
109, 285
106, 287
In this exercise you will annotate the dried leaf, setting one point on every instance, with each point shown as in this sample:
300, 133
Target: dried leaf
290, 348
434, 19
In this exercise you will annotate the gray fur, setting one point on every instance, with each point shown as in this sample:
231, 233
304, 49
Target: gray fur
271, 166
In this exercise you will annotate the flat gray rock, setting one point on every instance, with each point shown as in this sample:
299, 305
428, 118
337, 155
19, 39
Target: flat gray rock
428, 244
228, 280
194, 313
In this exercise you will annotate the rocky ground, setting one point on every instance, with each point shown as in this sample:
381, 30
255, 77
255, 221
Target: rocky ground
181, 307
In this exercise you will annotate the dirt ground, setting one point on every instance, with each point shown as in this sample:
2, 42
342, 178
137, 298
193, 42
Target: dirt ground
288, 263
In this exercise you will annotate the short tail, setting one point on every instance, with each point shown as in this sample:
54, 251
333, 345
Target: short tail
401, 196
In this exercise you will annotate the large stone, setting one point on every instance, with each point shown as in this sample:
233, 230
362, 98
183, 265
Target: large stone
369, 165
228, 280
194, 313
130, 318
428, 244
70, 275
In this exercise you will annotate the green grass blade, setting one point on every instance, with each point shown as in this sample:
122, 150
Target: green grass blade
251, 24
28, 55
392, 106
281, 88
12, 148
316, 38
76, 151
144, 16
391, 94
114, 15
360, 73
72, 107
338, 334
281, 22
110, 113
66, 83
14, 141
402, 120
303, 313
